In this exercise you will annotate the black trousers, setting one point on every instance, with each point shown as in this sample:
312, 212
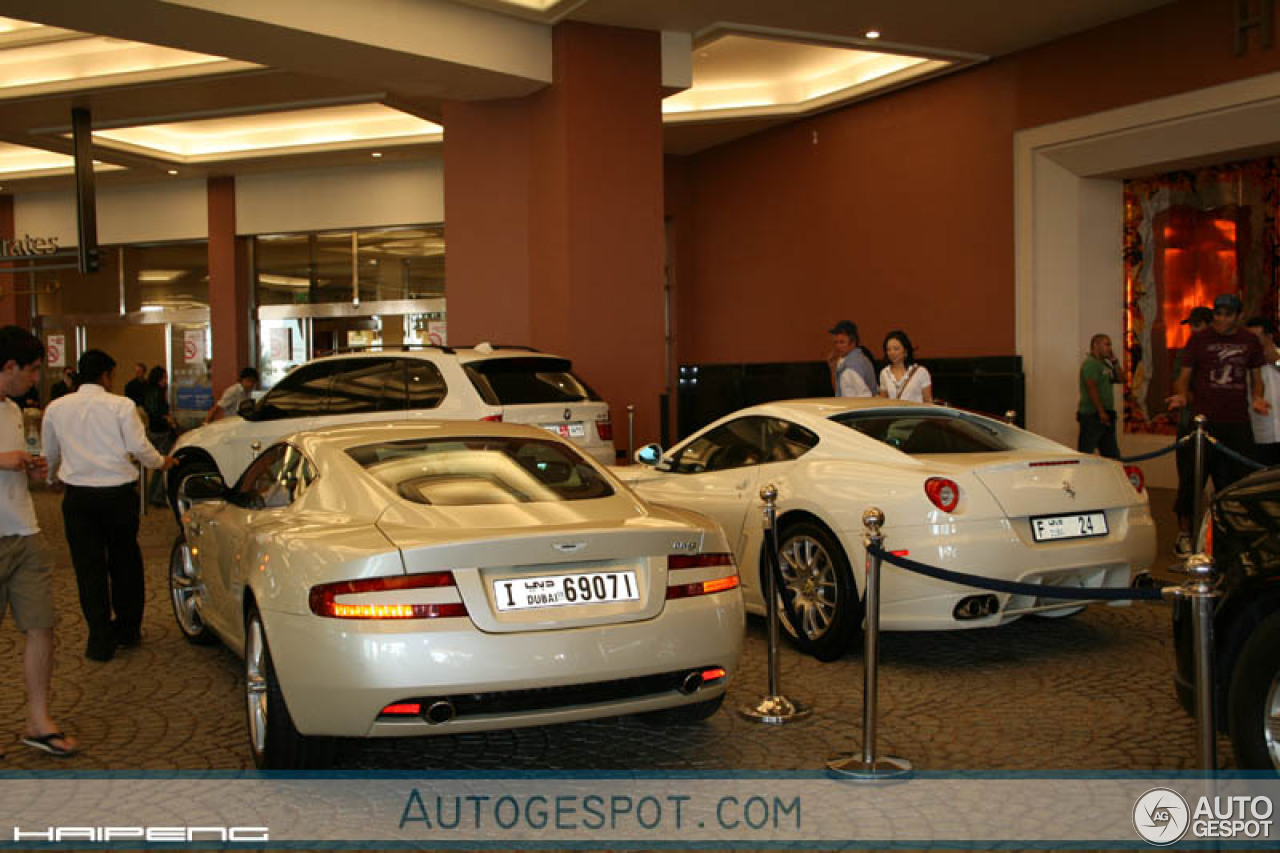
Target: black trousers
1224, 471
102, 531
1095, 435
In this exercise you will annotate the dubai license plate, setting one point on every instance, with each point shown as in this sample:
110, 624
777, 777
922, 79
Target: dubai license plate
1079, 525
564, 590
569, 430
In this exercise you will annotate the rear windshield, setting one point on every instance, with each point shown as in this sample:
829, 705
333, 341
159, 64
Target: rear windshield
514, 381
916, 432
480, 471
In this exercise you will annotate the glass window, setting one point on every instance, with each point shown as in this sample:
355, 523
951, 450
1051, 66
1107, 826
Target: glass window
515, 381
401, 263
168, 276
913, 433
788, 440
367, 385
302, 393
304, 268
481, 471
737, 444
425, 386
276, 479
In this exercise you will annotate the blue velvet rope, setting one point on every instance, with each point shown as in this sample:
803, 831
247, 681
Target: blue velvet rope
1143, 457
1016, 588
1231, 454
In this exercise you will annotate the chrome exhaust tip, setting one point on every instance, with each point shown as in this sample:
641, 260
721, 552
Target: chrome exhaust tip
692, 682
440, 711
975, 607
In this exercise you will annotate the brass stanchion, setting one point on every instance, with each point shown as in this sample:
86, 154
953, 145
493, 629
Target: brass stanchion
869, 767
1197, 495
1201, 588
774, 708
631, 433
1011, 417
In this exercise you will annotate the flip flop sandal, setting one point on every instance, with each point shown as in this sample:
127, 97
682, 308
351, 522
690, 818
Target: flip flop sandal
46, 744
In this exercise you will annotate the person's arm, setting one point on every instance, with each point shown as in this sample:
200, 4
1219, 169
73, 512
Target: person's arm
135, 441
1181, 388
1257, 392
851, 385
927, 393
49, 446
1091, 388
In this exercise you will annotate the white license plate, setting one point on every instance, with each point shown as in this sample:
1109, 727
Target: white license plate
1078, 526
571, 430
562, 590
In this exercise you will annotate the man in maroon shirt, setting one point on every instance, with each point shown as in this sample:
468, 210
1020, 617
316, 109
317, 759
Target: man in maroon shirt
1226, 361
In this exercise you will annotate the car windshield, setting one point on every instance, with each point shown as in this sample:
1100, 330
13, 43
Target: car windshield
481, 471
516, 381
916, 432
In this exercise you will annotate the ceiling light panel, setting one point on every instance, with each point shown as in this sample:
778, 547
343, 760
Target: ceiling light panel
274, 133
18, 161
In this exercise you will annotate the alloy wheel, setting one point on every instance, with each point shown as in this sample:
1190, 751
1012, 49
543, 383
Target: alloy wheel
187, 591
809, 576
1271, 721
255, 684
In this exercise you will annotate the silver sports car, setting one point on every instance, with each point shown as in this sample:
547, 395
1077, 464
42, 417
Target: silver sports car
413, 579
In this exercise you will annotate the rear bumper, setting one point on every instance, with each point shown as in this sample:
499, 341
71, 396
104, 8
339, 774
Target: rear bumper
337, 676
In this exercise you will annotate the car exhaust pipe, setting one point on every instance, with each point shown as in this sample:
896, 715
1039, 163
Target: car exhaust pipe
440, 711
692, 682
975, 607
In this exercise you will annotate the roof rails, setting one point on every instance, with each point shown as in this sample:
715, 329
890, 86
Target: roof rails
389, 348
499, 346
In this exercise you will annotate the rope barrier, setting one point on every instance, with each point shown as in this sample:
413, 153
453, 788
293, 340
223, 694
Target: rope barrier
1016, 588
1231, 454
1143, 457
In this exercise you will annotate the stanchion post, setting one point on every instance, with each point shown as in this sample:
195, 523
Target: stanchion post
1011, 417
1197, 494
1201, 588
631, 432
869, 767
774, 708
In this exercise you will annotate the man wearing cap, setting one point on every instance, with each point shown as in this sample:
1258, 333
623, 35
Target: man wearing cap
1226, 362
1197, 321
852, 374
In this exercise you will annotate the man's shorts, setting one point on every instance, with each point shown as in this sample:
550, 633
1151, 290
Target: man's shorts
25, 582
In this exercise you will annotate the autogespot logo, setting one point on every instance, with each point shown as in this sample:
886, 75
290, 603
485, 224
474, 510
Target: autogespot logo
1161, 816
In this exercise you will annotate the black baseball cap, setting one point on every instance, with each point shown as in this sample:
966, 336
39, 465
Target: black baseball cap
845, 327
1203, 316
1228, 302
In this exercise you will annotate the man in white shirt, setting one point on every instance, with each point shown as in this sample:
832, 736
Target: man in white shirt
24, 564
88, 438
229, 402
1266, 428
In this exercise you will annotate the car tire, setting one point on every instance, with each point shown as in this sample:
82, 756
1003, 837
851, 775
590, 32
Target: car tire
274, 741
683, 714
186, 592
820, 610
187, 467
1253, 700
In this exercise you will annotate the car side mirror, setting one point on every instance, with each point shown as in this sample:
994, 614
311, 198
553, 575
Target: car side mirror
650, 454
246, 408
198, 488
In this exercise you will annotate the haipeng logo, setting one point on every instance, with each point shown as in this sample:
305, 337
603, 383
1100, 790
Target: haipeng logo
1161, 816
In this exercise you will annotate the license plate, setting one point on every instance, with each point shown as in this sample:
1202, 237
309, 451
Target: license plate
1077, 526
564, 590
570, 430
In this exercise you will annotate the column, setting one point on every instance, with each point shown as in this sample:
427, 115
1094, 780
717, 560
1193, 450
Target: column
229, 297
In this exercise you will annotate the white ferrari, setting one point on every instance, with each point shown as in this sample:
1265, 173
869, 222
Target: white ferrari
413, 579
959, 491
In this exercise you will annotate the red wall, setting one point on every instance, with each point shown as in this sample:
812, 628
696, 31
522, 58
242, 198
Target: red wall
899, 212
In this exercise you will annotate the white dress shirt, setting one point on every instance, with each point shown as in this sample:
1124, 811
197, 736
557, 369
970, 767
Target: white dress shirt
17, 515
89, 435
1266, 428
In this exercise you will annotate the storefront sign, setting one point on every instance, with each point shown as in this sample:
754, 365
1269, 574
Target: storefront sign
27, 247
55, 351
198, 397
280, 342
193, 346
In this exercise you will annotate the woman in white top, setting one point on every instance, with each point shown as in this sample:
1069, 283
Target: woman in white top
903, 379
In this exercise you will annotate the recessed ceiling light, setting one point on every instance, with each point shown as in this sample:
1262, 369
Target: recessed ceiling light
873, 34
375, 155
173, 171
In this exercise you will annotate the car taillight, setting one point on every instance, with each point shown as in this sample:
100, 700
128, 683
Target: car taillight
605, 430
494, 418
944, 493
1134, 473
701, 561
324, 598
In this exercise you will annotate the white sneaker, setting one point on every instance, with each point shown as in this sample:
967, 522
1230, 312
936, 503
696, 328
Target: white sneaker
1183, 546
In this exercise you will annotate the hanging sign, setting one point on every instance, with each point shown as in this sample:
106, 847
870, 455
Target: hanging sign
280, 344
193, 346
55, 351
438, 332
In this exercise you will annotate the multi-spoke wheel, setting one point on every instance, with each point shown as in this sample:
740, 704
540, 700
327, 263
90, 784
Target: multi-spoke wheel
273, 738
1253, 702
186, 591
820, 605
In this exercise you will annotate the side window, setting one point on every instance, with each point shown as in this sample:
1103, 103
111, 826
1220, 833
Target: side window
261, 477
736, 444
788, 440
363, 385
425, 386
302, 393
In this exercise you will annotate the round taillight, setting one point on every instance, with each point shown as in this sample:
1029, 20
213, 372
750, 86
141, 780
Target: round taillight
1134, 473
944, 493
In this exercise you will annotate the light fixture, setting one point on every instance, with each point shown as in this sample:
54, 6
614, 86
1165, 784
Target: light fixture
173, 171
872, 34
376, 154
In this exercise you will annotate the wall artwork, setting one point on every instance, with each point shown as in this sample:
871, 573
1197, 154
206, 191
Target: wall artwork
1188, 237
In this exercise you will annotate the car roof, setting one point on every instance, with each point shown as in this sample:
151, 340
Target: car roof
479, 352
372, 432
826, 407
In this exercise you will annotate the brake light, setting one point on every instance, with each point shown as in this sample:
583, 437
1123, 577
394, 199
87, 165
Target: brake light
698, 561
714, 673
323, 599
702, 561
1208, 534
493, 418
1134, 473
689, 590
402, 709
605, 430
943, 493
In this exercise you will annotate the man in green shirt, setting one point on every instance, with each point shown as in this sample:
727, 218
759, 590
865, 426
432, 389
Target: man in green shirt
1097, 410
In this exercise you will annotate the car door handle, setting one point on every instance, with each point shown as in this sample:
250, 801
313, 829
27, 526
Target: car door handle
255, 446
